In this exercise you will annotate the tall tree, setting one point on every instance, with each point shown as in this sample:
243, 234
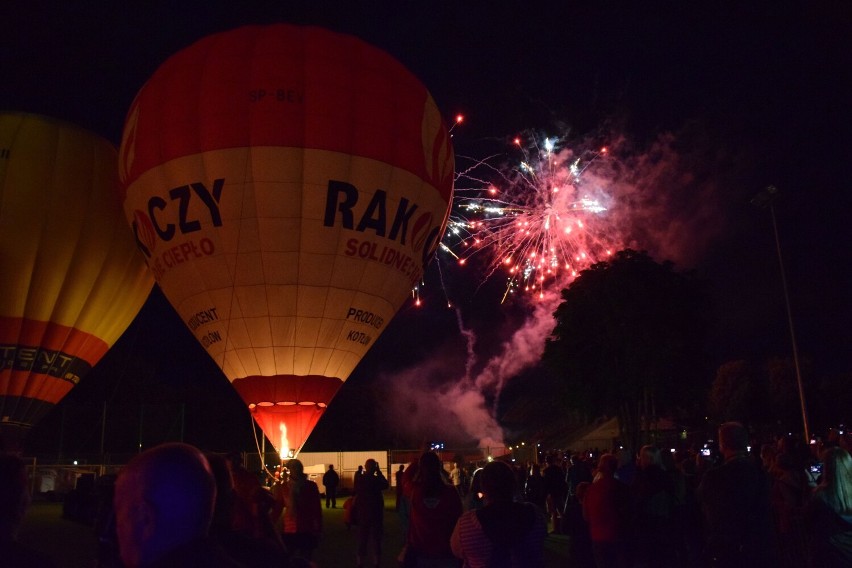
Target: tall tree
762, 394
629, 341
833, 406
740, 392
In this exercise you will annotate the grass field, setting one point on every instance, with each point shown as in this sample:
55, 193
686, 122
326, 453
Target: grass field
74, 545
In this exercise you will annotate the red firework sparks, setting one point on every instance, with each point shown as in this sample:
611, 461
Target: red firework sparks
540, 221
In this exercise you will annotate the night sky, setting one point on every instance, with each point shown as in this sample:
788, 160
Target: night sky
712, 102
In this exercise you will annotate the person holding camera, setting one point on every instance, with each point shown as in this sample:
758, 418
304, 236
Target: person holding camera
828, 514
369, 511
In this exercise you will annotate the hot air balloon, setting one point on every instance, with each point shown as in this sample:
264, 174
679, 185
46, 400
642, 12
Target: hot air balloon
72, 279
287, 186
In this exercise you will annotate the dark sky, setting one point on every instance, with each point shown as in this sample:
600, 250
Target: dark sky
746, 94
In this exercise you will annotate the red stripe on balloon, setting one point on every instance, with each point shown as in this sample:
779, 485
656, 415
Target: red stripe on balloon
26, 384
281, 389
289, 86
52, 339
297, 402
23, 332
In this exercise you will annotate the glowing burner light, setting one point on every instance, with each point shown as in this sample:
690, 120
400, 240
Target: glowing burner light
284, 446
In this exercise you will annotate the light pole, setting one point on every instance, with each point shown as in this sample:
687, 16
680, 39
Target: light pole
764, 199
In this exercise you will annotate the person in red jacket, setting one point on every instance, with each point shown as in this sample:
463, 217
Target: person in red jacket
435, 508
605, 509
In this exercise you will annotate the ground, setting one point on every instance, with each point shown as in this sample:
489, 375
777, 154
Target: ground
74, 544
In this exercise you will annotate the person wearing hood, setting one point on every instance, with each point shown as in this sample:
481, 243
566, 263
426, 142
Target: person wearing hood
504, 529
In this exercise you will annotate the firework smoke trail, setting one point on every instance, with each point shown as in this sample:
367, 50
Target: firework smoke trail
470, 340
540, 222
468, 398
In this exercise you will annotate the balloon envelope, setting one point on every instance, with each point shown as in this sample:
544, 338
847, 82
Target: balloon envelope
287, 185
72, 279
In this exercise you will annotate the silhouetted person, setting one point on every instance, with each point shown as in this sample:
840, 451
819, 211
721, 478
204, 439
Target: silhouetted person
626, 472
164, 500
398, 475
768, 453
828, 515
456, 478
503, 532
554, 490
246, 515
369, 511
405, 499
534, 488
653, 502
790, 493
578, 472
605, 509
474, 495
302, 511
330, 481
575, 526
14, 501
435, 508
259, 549
734, 499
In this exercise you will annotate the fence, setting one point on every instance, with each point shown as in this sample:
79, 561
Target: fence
54, 480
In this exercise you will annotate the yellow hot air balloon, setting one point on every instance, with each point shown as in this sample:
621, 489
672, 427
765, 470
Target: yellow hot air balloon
71, 279
288, 186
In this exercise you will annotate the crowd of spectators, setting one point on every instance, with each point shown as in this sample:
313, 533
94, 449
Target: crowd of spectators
782, 503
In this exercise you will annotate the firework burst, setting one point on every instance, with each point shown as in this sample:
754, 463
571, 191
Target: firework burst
539, 221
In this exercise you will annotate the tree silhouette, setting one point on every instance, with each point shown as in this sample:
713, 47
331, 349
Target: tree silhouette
763, 395
629, 341
739, 392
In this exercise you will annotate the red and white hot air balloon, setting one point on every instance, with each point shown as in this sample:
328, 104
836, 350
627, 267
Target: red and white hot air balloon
288, 186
